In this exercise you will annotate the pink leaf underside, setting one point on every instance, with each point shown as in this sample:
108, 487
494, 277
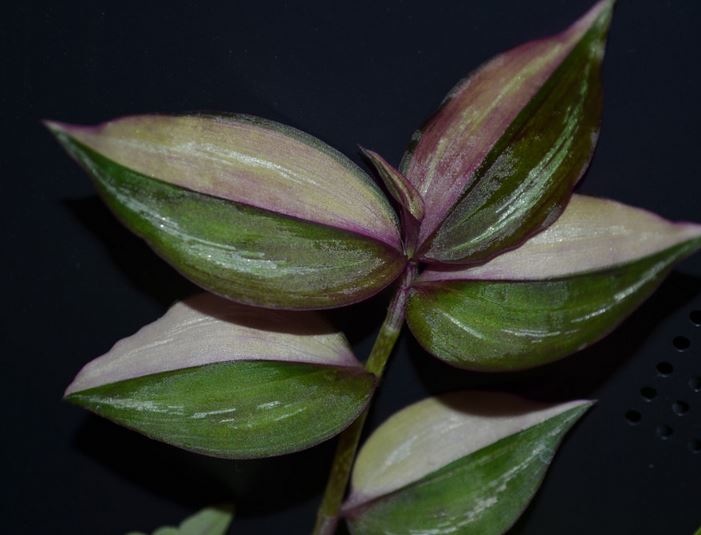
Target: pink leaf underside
477, 112
248, 160
207, 329
397, 184
434, 432
591, 234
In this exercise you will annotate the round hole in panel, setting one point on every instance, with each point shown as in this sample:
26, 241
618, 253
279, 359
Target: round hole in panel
695, 384
664, 431
695, 317
633, 417
680, 407
664, 368
648, 393
682, 343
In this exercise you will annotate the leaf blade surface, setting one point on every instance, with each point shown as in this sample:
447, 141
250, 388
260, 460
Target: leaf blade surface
224, 380
559, 292
478, 487
498, 161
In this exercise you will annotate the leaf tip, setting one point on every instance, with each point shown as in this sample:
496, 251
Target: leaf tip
62, 132
597, 19
600, 14
59, 128
576, 409
56, 128
585, 404
73, 398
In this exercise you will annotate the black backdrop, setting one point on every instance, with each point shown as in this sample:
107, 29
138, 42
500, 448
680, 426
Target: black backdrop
75, 281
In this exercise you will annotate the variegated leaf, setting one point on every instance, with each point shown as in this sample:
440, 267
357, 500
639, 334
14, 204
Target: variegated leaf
411, 203
559, 292
246, 208
228, 380
499, 160
461, 463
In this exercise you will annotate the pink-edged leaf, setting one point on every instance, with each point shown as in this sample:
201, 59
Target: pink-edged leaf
559, 292
464, 462
248, 160
411, 203
591, 234
499, 159
205, 330
227, 380
245, 208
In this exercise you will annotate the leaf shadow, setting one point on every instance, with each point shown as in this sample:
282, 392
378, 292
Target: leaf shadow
153, 276
257, 486
144, 269
577, 376
361, 321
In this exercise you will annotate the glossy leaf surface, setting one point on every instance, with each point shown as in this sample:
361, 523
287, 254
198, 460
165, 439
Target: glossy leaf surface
498, 161
561, 291
398, 185
226, 380
411, 203
195, 204
208, 521
461, 463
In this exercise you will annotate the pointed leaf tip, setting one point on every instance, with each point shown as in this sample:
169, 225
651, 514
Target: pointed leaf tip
559, 292
500, 157
248, 160
245, 208
465, 462
400, 188
409, 200
229, 381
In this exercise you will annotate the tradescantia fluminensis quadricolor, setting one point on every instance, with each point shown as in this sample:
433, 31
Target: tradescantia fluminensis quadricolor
497, 266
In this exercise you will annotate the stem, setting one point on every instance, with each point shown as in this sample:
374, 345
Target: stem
327, 516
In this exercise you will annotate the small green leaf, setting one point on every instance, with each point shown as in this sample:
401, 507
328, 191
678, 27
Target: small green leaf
208, 521
559, 292
499, 160
248, 209
461, 463
229, 381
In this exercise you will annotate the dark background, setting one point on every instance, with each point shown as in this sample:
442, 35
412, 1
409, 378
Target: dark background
75, 281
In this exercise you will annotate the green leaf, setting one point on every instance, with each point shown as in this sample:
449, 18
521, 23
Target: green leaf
229, 381
559, 292
208, 521
248, 209
500, 158
461, 463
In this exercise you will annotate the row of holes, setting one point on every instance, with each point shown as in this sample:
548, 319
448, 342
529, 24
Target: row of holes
680, 408
695, 317
682, 343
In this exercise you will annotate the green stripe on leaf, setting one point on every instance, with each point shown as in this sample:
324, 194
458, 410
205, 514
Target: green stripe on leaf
246, 254
481, 491
227, 380
236, 409
499, 325
499, 160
